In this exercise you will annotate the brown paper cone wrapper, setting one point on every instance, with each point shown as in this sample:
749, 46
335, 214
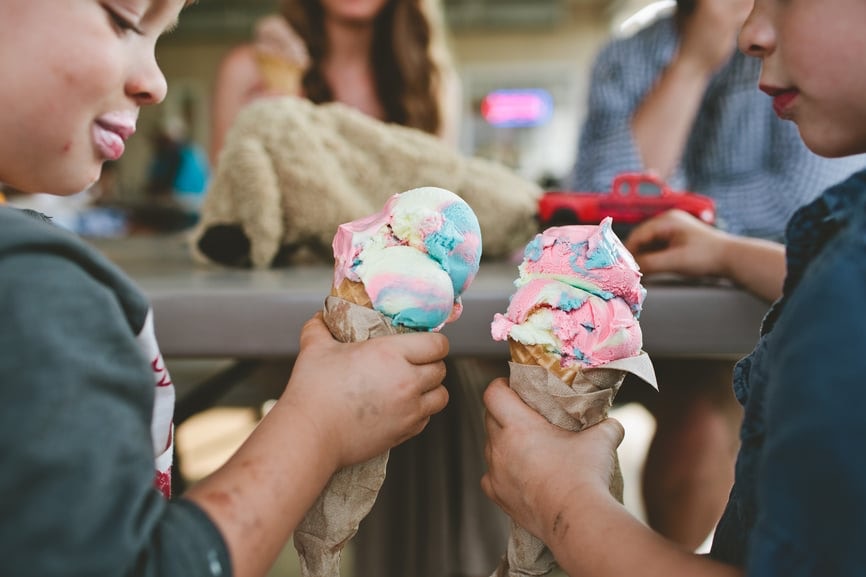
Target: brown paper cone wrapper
350, 494
280, 75
571, 398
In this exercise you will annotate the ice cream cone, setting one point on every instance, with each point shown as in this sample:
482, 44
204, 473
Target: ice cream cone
350, 316
536, 355
354, 292
350, 494
280, 75
572, 398
392, 249
585, 402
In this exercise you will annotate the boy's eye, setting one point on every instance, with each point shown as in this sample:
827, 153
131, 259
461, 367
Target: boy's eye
120, 22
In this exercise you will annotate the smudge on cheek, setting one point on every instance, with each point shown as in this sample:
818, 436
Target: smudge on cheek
561, 525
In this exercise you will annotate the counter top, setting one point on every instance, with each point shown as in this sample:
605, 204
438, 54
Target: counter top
203, 311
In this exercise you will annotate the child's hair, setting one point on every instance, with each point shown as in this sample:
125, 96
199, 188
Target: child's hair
685, 7
408, 53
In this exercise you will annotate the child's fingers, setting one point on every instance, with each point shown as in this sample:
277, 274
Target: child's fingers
431, 402
647, 237
660, 261
434, 400
492, 403
610, 430
421, 348
505, 406
431, 375
314, 330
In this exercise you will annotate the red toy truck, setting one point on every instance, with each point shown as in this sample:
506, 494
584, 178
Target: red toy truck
633, 197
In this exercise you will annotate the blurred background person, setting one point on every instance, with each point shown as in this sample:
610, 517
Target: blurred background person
386, 58
676, 98
177, 180
179, 168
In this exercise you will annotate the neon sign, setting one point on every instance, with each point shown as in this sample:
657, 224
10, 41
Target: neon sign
517, 107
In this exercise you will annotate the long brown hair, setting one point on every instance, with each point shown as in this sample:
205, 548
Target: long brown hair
408, 53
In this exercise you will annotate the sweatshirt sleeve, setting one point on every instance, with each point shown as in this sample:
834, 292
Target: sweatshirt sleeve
77, 497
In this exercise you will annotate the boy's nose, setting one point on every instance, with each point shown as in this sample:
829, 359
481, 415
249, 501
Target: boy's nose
147, 85
756, 37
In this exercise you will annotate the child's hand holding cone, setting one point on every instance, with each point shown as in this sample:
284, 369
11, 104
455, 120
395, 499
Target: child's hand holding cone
401, 270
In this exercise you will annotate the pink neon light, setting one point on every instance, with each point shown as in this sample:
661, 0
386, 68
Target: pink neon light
516, 107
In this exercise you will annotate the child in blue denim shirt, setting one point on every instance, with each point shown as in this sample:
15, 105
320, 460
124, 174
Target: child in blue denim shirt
798, 505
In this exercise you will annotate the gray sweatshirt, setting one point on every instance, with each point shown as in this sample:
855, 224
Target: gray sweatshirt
77, 407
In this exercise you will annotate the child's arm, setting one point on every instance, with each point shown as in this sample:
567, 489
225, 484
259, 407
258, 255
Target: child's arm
237, 83
664, 120
243, 76
554, 483
677, 242
344, 404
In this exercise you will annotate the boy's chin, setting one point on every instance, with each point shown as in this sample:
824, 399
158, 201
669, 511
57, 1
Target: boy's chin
82, 182
830, 144
70, 186
47, 188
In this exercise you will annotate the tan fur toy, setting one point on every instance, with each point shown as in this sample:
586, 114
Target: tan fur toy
292, 171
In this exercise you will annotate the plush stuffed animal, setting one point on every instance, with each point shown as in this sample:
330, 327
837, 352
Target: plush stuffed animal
291, 172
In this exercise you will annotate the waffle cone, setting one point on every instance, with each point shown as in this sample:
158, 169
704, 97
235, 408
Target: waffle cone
351, 326
354, 292
536, 355
580, 397
576, 399
279, 74
350, 493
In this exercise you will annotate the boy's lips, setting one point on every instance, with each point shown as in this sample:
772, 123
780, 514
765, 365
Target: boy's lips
110, 134
783, 99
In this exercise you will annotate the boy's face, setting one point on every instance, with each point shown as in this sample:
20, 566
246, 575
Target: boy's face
814, 66
76, 74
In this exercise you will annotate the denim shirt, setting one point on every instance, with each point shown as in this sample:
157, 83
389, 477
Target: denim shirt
798, 505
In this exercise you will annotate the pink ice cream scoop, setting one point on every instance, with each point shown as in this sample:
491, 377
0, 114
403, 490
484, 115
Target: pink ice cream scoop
588, 257
571, 323
578, 295
415, 258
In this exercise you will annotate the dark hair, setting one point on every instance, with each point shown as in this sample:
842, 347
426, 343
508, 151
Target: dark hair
685, 7
407, 76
